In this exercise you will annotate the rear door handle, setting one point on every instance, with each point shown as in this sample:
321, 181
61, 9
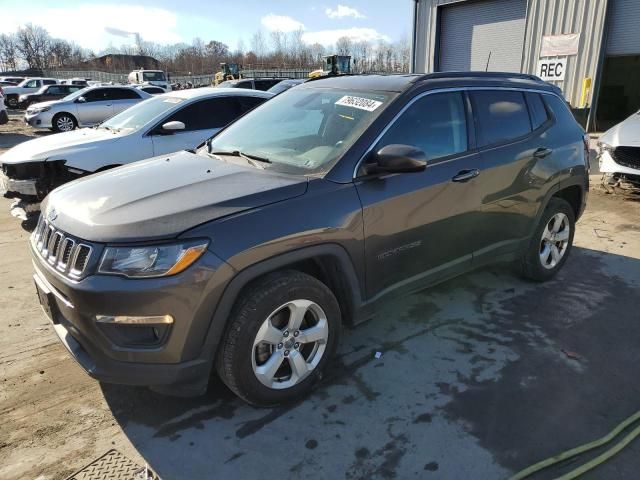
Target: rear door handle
542, 152
466, 175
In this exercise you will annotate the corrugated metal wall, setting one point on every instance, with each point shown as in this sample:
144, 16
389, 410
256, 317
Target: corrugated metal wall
544, 17
555, 17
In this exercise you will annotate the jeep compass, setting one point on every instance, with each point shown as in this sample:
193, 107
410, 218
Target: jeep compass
248, 255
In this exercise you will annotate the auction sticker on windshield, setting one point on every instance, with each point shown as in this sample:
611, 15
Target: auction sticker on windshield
359, 102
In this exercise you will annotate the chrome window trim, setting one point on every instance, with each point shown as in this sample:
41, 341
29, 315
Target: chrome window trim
434, 91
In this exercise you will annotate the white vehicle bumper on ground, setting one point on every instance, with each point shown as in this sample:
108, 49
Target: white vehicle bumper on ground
24, 187
607, 164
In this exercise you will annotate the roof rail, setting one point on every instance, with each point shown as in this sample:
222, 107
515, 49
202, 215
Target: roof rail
523, 76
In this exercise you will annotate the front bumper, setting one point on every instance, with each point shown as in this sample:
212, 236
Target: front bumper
179, 363
38, 120
19, 187
607, 164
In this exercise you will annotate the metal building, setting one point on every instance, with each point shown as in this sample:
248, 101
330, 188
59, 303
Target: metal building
589, 48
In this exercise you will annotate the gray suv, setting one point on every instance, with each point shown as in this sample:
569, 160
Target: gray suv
248, 255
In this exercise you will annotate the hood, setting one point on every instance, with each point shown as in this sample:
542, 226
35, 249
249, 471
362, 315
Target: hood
162, 197
59, 146
48, 103
626, 133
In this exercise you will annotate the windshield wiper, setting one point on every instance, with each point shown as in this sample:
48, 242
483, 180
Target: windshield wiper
246, 156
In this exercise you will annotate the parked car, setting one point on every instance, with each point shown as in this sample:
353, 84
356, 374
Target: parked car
84, 108
249, 254
619, 155
14, 80
252, 83
157, 126
81, 82
46, 93
286, 85
28, 85
4, 117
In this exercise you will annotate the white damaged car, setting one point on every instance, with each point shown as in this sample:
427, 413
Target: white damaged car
159, 125
619, 155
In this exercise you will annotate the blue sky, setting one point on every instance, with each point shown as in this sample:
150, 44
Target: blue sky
171, 21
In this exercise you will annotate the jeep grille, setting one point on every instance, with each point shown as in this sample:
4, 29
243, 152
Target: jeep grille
64, 253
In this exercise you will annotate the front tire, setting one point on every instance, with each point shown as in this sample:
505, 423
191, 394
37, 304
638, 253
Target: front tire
64, 122
282, 332
12, 101
551, 242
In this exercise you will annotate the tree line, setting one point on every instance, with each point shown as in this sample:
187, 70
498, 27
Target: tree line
31, 46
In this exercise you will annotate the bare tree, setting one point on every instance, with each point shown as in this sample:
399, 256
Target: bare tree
33, 43
8, 52
259, 45
344, 46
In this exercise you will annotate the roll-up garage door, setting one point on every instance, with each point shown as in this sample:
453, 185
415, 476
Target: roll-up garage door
623, 36
471, 31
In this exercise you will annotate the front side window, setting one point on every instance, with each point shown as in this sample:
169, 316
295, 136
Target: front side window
436, 124
208, 114
305, 131
55, 90
97, 95
32, 84
49, 82
502, 116
249, 103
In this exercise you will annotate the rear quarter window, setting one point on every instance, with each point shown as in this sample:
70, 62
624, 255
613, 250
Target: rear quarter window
502, 116
559, 109
537, 109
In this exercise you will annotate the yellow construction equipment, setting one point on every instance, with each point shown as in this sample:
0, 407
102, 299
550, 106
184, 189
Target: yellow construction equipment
333, 65
228, 71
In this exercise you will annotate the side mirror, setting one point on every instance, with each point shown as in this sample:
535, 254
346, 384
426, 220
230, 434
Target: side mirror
81, 100
396, 158
171, 127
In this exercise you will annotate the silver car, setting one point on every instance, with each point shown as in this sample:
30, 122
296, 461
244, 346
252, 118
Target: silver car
84, 108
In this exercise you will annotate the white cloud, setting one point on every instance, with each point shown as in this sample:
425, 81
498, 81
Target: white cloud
281, 23
343, 11
328, 37
85, 23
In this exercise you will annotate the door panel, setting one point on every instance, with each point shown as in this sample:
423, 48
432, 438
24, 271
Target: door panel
97, 108
511, 192
418, 226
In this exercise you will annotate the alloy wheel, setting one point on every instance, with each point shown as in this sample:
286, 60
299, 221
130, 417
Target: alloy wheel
65, 123
289, 344
555, 240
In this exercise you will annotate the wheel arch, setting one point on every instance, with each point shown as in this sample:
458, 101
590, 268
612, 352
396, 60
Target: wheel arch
329, 263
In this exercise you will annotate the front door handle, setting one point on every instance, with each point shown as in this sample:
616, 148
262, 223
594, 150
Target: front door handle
542, 152
466, 175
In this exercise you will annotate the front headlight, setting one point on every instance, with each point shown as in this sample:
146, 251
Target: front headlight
40, 109
151, 261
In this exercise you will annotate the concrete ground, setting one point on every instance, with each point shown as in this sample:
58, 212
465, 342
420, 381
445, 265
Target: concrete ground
479, 377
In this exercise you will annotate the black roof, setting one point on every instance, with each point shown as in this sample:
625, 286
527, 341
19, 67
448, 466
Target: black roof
401, 83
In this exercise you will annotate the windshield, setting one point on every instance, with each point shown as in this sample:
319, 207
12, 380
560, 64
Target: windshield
153, 76
141, 113
304, 130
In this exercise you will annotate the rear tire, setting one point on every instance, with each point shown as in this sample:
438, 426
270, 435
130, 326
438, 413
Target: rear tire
64, 122
551, 243
283, 330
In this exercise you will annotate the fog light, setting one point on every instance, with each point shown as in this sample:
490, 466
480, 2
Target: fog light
130, 320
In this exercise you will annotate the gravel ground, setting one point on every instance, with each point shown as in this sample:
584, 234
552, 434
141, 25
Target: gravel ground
479, 377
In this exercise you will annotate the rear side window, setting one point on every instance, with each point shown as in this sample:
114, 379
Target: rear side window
56, 90
122, 94
249, 103
265, 84
559, 109
49, 82
206, 114
436, 124
246, 84
502, 116
537, 109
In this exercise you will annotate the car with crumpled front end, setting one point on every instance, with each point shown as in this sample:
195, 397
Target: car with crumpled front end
619, 156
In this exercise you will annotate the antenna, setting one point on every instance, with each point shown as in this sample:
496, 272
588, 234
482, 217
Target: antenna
486, 69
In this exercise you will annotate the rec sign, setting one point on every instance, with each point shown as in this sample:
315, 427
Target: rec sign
552, 69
